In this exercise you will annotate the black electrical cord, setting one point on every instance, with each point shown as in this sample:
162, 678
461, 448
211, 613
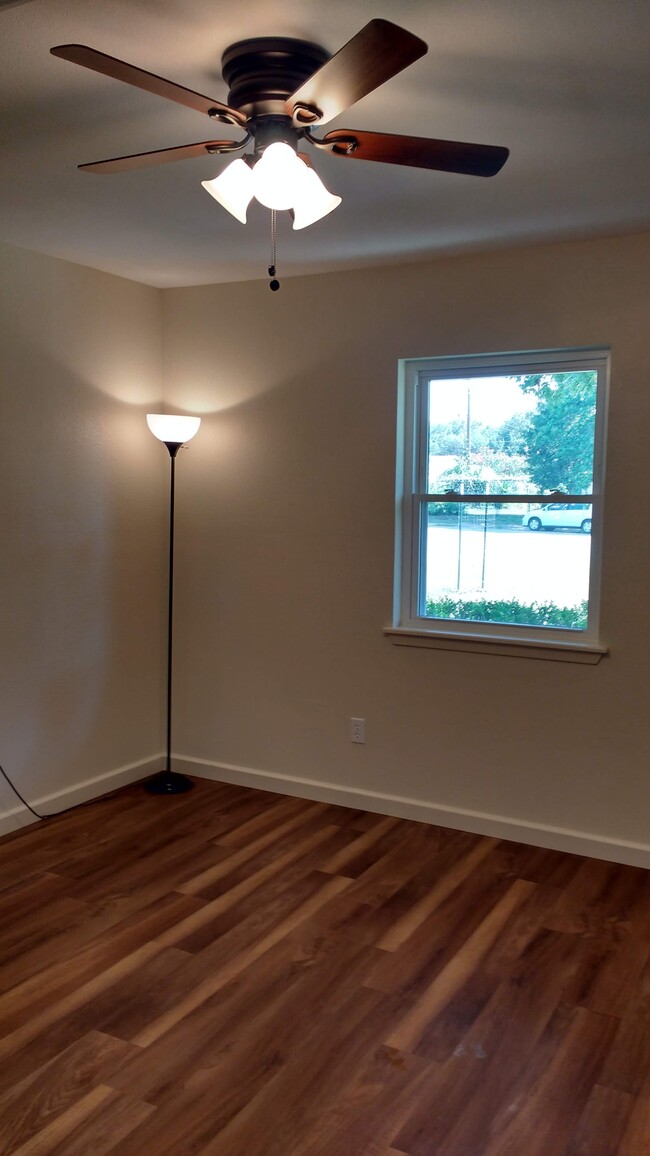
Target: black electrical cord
52, 814
17, 792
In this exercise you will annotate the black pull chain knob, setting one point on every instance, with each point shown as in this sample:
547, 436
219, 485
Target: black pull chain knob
274, 284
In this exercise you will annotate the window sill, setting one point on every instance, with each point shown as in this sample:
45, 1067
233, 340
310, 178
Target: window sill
503, 645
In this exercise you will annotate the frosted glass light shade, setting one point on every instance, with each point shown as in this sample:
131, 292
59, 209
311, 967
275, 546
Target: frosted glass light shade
233, 189
312, 200
275, 176
279, 180
168, 427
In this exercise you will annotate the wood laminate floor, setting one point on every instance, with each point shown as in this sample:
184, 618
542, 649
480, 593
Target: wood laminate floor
236, 973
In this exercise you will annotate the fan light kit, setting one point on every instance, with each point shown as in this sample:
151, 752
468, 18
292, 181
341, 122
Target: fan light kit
279, 90
279, 180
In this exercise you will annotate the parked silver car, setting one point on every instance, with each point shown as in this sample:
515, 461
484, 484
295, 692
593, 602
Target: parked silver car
570, 516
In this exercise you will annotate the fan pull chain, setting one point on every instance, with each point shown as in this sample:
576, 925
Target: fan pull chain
274, 284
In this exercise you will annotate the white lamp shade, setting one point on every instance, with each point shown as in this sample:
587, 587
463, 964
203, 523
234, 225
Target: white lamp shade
312, 200
275, 176
169, 427
233, 189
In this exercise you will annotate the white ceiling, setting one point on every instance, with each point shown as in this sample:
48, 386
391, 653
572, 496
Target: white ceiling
563, 83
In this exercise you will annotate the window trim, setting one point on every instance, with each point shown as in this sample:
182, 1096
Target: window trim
412, 457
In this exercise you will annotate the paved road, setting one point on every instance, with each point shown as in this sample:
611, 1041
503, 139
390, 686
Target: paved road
509, 563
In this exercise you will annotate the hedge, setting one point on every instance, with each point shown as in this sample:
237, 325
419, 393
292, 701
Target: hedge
508, 610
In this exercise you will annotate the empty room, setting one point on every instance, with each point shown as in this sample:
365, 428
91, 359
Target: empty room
325, 738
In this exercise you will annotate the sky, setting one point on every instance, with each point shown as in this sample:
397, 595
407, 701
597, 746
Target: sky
492, 399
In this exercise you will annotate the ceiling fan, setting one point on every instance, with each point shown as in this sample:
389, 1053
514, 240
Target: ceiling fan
279, 90
282, 86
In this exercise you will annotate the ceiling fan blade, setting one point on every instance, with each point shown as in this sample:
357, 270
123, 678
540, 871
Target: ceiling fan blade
158, 157
449, 156
129, 74
378, 52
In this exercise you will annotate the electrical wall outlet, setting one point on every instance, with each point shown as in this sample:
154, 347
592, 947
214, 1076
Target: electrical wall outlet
358, 730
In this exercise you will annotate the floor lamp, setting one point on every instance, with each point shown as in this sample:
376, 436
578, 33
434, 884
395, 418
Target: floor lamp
174, 431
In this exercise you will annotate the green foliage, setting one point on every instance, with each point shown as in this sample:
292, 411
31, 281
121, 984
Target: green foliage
560, 435
448, 437
512, 437
457, 609
451, 437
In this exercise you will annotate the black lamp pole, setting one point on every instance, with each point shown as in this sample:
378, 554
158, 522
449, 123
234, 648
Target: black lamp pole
169, 782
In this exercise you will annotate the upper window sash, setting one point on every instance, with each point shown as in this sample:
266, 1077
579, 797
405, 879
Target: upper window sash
420, 375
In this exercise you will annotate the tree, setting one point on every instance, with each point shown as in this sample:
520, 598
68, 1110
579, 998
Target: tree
448, 437
511, 436
451, 437
560, 435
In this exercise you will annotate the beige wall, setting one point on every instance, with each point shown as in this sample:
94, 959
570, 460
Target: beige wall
82, 566
286, 536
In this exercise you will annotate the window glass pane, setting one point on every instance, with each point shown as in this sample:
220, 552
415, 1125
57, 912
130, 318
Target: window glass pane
529, 433
494, 563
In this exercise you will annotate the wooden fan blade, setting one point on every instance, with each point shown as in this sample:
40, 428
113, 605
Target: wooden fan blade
158, 157
449, 156
377, 52
129, 74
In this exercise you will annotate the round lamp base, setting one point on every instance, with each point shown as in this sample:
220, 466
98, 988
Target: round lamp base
168, 783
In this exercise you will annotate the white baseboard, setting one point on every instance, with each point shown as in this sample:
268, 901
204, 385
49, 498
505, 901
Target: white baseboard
19, 816
476, 822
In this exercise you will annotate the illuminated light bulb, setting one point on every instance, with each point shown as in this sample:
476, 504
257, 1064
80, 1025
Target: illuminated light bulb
169, 427
275, 176
312, 200
233, 189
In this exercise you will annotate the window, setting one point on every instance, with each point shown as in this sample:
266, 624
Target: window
499, 512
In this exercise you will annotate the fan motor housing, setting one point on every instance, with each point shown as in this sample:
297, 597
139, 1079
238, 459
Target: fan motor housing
262, 73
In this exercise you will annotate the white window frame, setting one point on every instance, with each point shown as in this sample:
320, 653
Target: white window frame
410, 626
